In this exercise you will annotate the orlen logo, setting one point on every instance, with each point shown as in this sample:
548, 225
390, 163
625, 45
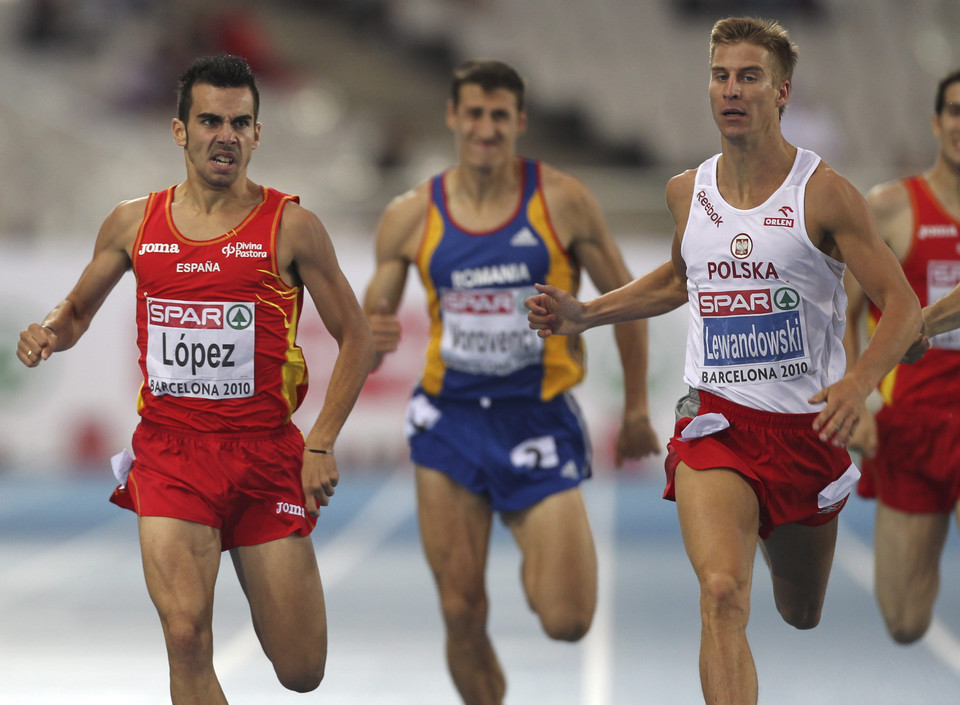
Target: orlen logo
185, 315
735, 303
785, 222
741, 246
164, 247
478, 302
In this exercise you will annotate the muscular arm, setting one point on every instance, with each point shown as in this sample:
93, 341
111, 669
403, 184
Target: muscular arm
890, 205
398, 237
835, 209
658, 292
70, 319
575, 208
306, 246
943, 315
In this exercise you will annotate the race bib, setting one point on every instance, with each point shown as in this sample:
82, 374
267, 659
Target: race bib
485, 331
201, 349
942, 277
753, 336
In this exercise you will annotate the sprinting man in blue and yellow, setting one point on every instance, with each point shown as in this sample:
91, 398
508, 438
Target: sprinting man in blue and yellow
492, 425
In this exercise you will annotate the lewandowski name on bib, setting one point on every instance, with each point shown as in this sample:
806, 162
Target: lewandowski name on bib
753, 336
485, 331
201, 349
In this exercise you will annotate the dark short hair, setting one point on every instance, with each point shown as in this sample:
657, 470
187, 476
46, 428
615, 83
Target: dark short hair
489, 74
221, 71
945, 83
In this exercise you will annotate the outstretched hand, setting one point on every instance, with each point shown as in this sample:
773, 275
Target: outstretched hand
554, 311
845, 406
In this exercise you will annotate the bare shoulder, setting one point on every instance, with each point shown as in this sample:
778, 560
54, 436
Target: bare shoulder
831, 198
889, 199
559, 183
129, 212
403, 222
679, 192
120, 227
566, 195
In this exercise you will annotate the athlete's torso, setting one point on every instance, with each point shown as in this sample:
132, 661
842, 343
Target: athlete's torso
216, 323
480, 342
767, 308
932, 266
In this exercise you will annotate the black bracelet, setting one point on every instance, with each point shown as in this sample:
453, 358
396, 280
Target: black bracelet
321, 452
49, 328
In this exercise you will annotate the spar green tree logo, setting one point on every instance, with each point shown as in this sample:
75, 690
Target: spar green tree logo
239, 317
786, 299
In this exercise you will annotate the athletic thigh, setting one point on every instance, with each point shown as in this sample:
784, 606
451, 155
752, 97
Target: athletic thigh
282, 583
907, 548
455, 529
719, 518
181, 560
800, 558
559, 556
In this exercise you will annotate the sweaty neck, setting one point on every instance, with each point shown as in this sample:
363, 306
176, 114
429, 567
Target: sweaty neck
748, 175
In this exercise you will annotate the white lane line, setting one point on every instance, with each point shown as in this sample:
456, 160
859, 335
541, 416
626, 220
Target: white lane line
856, 559
36, 569
597, 678
339, 555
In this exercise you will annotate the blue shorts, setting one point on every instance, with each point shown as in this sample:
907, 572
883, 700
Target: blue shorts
515, 452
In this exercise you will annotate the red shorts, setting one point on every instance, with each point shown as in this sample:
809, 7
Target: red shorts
917, 465
247, 485
779, 455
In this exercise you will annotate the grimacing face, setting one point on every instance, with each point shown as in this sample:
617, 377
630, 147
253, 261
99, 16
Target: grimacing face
220, 133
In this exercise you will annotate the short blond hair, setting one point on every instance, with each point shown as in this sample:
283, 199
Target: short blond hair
768, 34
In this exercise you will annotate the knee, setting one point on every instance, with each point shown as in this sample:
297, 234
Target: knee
723, 597
568, 625
905, 633
464, 613
188, 641
802, 616
303, 678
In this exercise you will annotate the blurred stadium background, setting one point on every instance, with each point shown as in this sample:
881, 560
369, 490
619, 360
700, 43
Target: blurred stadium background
353, 100
352, 109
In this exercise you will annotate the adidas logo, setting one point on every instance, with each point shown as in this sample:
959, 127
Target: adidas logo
570, 471
524, 238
